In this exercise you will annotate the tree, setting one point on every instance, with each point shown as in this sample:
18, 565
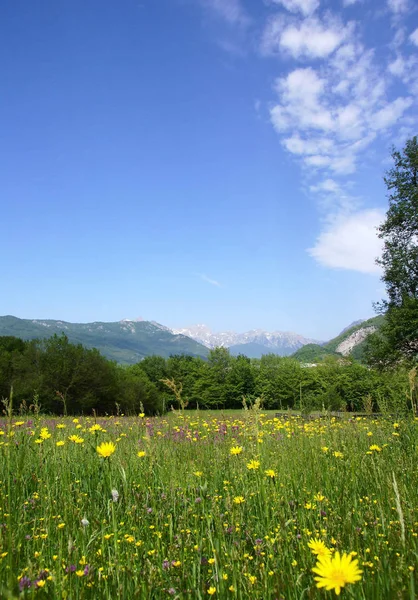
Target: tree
397, 339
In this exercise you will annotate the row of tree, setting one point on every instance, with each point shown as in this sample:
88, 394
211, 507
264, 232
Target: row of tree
64, 378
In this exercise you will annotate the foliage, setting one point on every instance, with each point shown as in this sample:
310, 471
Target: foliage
397, 340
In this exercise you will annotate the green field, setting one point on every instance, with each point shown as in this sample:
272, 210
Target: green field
200, 505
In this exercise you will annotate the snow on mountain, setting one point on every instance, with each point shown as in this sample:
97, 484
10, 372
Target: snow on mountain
283, 341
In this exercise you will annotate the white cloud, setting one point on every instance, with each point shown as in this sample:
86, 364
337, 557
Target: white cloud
349, 2
391, 113
414, 37
209, 280
350, 242
398, 6
231, 11
311, 38
306, 7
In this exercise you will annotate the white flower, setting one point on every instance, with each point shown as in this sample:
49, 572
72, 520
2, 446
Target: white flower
85, 522
115, 495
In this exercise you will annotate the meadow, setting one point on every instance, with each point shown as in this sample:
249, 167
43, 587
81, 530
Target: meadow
239, 505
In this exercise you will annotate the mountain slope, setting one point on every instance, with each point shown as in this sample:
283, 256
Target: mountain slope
249, 343
124, 341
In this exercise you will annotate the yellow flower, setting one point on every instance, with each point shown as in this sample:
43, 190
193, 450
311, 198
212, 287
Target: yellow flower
61, 525
76, 439
270, 473
231, 588
79, 573
44, 435
211, 590
142, 415
376, 448
318, 547
60, 426
95, 427
338, 454
19, 423
40, 583
239, 500
60, 443
198, 473
253, 465
106, 449
252, 579
324, 449
141, 453
236, 450
333, 573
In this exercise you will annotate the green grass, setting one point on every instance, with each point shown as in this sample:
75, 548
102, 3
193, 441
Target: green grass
175, 529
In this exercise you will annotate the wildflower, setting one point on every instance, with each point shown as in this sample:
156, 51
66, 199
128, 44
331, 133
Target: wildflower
318, 547
142, 415
76, 439
333, 573
252, 579
40, 583
106, 449
236, 450
95, 428
141, 454
231, 588
61, 525
253, 465
60, 426
44, 435
324, 448
211, 590
338, 454
85, 522
19, 423
60, 443
375, 447
198, 473
115, 495
270, 473
239, 500
79, 573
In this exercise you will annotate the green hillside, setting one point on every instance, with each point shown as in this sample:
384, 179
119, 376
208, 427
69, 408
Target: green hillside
126, 342
313, 353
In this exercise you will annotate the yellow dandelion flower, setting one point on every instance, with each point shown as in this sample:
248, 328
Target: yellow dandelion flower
375, 447
60, 443
239, 500
253, 465
333, 573
235, 450
106, 449
270, 473
44, 435
141, 454
318, 547
76, 439
338, 454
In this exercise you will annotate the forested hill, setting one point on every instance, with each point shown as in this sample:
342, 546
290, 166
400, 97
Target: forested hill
350, 342
126, 342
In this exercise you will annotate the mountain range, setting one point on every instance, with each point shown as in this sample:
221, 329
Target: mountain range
124, 341
253, 343
128, 341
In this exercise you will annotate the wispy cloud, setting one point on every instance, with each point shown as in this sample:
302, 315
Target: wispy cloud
330, 110
231, 11
204, 277
350, 242
306, 7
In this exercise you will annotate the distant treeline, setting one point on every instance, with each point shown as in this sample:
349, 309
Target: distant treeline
65, 378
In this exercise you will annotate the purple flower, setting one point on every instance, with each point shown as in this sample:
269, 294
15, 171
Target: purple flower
171, 591
198, 500
24, 583
166, 564
86, 569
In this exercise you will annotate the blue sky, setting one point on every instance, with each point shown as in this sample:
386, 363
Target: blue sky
200, 161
